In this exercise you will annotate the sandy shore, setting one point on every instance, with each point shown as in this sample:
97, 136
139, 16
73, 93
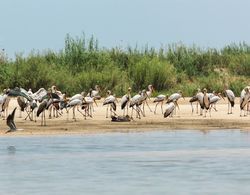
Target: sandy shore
100, 124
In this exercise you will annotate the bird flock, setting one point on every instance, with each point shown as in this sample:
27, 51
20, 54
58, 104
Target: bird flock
57, 103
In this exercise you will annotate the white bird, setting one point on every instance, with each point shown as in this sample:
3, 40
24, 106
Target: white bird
41, 109
214, 99
231, 98
39, 95
88, 105
110, 100
74, 103
95, 93
4, 102
206, 102
125, 101
137, 101
244, 98
150, 91
160, 99
77, 97
175, 97
170, 109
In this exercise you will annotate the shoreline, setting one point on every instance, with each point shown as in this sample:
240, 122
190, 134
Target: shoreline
183, 120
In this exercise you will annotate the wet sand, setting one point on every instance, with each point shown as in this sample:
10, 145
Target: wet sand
184, 119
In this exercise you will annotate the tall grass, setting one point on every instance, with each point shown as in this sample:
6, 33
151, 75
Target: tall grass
82, 64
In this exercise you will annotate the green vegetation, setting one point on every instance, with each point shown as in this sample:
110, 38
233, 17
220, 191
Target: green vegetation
82, 64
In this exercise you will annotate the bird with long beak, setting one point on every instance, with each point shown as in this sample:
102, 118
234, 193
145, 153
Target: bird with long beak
214, 99
160, 99
171, 106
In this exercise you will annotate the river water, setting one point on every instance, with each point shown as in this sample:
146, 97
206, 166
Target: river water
162, 162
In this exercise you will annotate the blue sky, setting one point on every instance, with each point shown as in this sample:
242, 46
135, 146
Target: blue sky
43, 24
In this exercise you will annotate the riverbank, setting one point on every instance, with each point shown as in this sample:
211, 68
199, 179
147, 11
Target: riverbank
184, 119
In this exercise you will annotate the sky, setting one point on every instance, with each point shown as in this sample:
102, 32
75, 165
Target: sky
28, 25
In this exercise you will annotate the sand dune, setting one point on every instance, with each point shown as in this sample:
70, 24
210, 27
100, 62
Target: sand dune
184, 119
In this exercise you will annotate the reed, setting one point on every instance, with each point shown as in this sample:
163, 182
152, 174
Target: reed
82, 64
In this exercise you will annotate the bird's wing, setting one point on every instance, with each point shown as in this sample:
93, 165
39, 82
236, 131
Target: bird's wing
10, 120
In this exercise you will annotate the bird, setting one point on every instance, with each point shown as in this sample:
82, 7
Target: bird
95, 93
88, 102
10, 121
206, 102
160, 99
125, 101
170, 109
175, 97
150, 91
192, 100
214, 99
147, 96
231, 99
110, 100
74, 103
4, 103
244, 98
41, 109
23, 103
137, 101
18, 92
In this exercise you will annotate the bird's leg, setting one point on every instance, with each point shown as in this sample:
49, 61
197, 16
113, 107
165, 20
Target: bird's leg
205, 115
112, 111
85, 110
20, 112
74, 116
201, 112
210, 111
148, 106
50, 110
228, 107
162, 107
140, 110
34, 114
67, 114
156, 107
28, 115
107, 111
132, 111
91, 109
192, 107
214, 107
80, 111
124, 111
143, 109
44, 119
197, 107
127, 108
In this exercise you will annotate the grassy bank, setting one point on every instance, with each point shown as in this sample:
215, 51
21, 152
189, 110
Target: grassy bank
82, 64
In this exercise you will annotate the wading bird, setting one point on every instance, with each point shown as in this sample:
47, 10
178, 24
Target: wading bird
171, 106
231, 98
160, 99
206, 102
244, 98
125, 101
41, 109
110, 101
